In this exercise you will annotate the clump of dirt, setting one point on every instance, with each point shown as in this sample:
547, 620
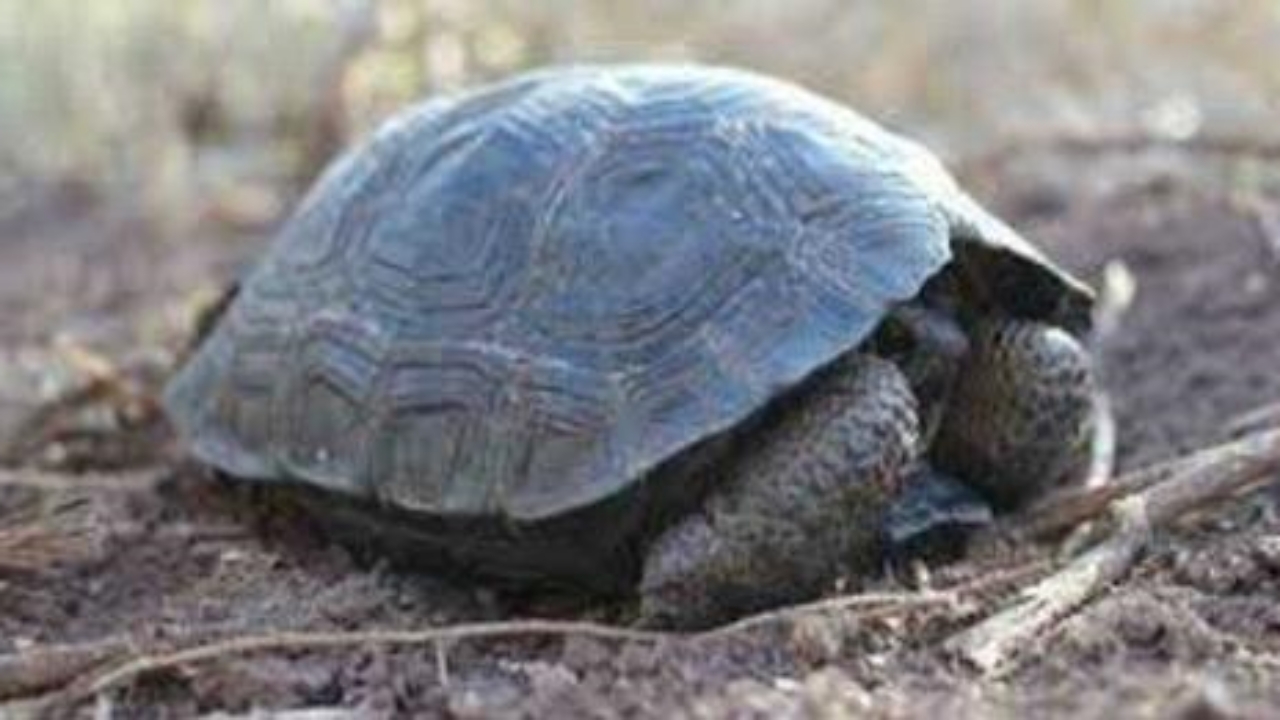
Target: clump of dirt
1194, 632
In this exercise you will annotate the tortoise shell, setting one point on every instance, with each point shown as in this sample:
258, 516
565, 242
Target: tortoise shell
518, 301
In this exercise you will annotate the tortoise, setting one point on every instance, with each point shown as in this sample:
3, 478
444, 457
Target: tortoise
681, 331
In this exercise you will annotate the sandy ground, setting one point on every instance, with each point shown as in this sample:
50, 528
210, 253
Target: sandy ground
139, 550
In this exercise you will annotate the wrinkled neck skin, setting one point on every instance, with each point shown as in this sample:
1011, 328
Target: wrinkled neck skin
1000, 375
926, 338
929, 336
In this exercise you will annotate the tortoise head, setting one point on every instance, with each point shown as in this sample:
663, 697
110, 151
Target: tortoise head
926, 342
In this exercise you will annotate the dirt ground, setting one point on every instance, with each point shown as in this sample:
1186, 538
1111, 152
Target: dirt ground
137, 551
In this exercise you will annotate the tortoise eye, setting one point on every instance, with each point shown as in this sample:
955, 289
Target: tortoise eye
903, 339
894, 338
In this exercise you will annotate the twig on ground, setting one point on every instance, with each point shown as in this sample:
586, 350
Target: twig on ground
42, 669
864, 602
76, 689
442, 664
31, 548
63, 529
1207, 477
37, 540
49, 534
991, 644
1004, 575
1102, 462
1254, 420
872, 604
1064, 511
1116, 294
125, 481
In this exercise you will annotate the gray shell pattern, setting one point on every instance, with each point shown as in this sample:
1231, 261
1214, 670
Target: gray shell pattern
517, 301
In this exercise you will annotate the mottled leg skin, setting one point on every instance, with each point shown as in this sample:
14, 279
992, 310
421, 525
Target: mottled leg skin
802, 504
1021, 416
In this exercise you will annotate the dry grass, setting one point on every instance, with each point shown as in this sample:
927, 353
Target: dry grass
173, 103
46, 536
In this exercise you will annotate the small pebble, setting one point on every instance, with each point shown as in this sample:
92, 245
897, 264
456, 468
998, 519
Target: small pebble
1209, 700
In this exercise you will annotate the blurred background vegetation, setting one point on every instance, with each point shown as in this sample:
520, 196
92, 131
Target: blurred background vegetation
187, 108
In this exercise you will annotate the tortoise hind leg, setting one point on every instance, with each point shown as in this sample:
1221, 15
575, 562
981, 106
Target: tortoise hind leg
802, 503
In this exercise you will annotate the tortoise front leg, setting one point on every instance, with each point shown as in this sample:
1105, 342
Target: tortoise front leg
1022, 414
802, 504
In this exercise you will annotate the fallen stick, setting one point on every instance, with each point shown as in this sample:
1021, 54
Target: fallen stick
41, 669
1207, 477
76, 688
1065, 511
33, 547
873, 601
1254, 420
143, 664
441, 637
1116, 294
126, 481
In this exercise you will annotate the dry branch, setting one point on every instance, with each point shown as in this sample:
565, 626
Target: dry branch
1067, 510
42, 669
1254, 420
873, 602
77, 689
1115, 298
1207, 477
126, 481
35, 546
40, 537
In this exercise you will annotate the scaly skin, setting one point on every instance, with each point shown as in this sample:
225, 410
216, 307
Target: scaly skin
806, 501
1020, 419
798, 509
